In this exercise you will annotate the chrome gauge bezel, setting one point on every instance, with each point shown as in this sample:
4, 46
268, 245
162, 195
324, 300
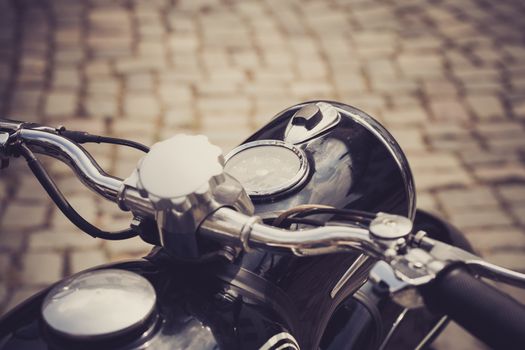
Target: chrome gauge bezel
292, 184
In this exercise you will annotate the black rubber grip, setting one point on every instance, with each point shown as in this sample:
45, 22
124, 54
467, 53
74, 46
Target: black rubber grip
488, 314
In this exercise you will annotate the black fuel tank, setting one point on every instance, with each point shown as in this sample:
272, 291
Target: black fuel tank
352, 161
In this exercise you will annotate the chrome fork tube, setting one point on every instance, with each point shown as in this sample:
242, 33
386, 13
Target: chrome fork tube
65, 150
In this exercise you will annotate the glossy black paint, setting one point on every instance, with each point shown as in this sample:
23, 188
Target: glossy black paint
355, 165
195, 310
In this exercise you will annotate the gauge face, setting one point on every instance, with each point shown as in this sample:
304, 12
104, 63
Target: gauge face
267, 167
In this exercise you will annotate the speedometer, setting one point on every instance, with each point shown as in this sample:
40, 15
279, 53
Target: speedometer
267, 167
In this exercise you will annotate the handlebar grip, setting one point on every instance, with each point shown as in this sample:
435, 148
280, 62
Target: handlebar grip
490, 315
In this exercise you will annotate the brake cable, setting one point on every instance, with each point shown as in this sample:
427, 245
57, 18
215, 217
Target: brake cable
61, 202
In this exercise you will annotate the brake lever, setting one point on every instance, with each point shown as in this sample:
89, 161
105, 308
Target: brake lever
479, 266
420, 263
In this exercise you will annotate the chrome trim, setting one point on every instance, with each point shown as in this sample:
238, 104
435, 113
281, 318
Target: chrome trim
226, 225
270, 343
390, 143
442, 321
396, 324
298, 133
65, 150
291, 184
361, 259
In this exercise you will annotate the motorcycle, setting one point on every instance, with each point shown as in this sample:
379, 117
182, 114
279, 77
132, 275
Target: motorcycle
306, 236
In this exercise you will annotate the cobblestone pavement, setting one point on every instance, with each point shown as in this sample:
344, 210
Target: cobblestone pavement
446, 77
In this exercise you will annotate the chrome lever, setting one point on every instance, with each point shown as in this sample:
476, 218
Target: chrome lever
484, 268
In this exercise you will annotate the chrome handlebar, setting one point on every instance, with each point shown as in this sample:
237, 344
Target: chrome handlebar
413, 259
74, 155
406, 261
47, 141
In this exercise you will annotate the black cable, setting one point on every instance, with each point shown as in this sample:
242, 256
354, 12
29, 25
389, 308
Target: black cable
289, 221
84, 137
347, 214
62, 203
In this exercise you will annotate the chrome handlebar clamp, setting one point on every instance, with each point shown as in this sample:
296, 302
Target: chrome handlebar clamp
181, 182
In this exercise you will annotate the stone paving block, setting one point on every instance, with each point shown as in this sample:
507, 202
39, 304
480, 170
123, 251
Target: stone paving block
478, 160
518, 109
489, 216
410, 138
427, 179
507, 143
511, 259
211, 105
133, 247
226, 139
68, 78
41, 268
100, 106
69, 55
499, 129
439, 88
478, 74
60, 104
83, 202
103, 85
180, 118
468, 199
137, 130
151, 48
5, 265
305, 90
427, 202
83, 260
109, 17
140, 82
486, 107
312, 69
29, 189
501, 172
96, 68
437, 170
227, 75
141, 106
142, 64
67, 36
496, 239
448, 109
224, 123
395, 86
11, 240
421, 65
61, 239
512, 193
21, 216
518, 210
151, 31
25, 100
